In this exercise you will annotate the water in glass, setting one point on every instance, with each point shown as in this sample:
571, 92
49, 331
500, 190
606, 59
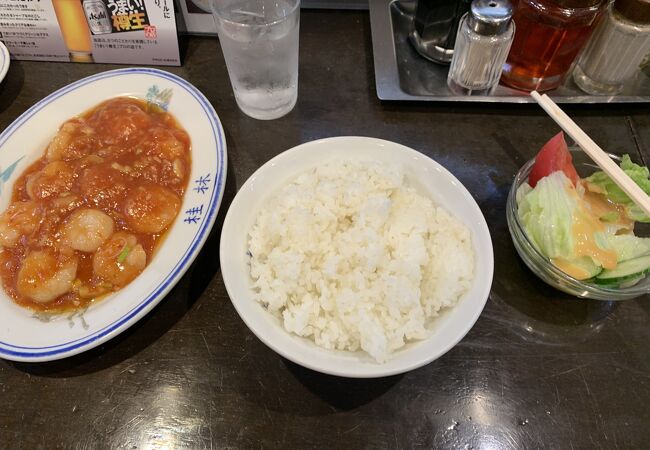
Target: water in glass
260, 47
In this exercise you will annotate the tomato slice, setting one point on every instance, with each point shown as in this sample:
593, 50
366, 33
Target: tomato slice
552, 157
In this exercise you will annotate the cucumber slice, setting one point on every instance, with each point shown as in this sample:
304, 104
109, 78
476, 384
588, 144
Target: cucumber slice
582, 268
628, 246
631, 282
625, 271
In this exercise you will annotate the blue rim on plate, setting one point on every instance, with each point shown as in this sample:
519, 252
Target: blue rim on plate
70, 348
4, 61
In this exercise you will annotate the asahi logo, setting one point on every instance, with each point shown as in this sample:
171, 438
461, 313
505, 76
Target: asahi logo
97, 16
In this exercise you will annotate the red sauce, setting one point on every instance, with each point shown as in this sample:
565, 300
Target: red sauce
122, 162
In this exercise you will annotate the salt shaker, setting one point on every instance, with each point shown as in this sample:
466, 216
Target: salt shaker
616, 49
482, 44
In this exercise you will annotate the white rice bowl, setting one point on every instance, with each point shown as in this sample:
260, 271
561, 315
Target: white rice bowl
349, 255
429, 326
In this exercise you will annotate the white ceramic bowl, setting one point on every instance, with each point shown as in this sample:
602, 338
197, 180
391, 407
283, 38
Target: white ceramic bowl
23, 337
4, 61
429, 176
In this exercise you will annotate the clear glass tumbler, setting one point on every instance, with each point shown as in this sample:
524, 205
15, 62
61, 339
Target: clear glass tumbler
259, 40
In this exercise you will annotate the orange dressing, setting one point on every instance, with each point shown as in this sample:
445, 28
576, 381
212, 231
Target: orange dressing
571, 269
586, 224
600, 206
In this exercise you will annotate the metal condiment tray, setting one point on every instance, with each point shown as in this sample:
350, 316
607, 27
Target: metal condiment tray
402, 74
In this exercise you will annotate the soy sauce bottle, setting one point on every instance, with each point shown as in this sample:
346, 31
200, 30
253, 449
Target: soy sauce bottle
550, 34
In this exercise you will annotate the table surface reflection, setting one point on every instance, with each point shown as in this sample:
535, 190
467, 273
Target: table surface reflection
539, 369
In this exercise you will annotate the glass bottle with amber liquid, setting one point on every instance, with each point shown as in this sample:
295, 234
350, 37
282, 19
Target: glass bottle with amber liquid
550, 34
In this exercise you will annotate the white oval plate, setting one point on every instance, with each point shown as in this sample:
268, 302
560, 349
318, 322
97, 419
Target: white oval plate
25, 338
430, 177
5, 60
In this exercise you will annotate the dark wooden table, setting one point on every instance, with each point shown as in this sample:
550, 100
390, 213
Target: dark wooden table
539, 369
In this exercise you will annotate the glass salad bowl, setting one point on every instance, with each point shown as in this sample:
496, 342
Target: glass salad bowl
542, 265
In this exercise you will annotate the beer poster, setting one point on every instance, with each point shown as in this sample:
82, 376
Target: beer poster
103, 31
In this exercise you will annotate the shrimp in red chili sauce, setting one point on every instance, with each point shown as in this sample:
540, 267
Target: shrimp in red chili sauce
85, 219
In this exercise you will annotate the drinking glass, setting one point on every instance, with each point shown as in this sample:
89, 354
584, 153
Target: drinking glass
259, 40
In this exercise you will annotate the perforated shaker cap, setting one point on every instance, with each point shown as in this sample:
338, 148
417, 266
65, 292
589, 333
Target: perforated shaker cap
490, 17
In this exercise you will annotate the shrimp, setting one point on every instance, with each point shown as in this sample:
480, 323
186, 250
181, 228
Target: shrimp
89, 161
65, 203
151, 208
20, 219
74, 140
166, 144
55, 178
103, 186
46, 275
179, 169
120, 120
86, 229
120, 259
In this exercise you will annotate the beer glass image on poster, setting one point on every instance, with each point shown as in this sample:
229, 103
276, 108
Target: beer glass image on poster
74, 28
77, 20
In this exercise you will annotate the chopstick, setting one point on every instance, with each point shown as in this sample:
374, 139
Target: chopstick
596, 153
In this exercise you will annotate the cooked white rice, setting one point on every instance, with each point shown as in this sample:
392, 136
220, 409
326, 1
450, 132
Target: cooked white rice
351, 257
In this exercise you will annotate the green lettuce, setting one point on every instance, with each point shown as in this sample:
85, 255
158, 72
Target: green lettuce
604, 185
547, 214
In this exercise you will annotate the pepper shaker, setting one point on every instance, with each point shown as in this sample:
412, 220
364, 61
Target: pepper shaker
616, 49
484, 38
